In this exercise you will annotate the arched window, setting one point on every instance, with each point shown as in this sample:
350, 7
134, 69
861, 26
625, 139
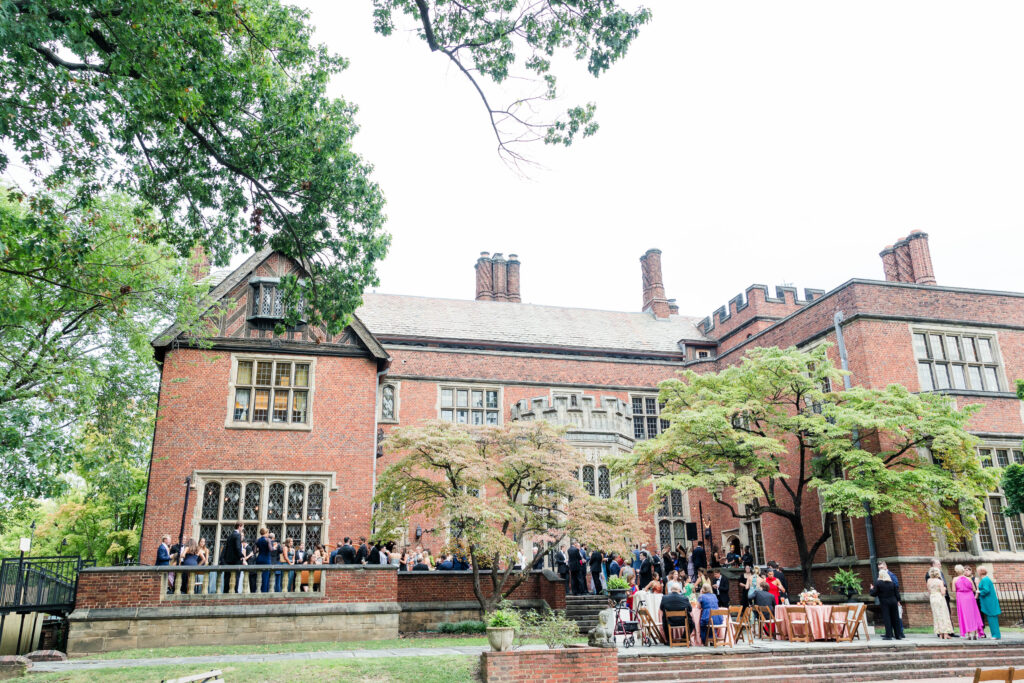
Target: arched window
251, 508
232, 496
604, 483
211, 500
275, 502
588, 479
315, 504
296, 498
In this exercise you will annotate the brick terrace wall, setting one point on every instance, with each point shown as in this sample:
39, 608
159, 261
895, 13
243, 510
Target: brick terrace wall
569, 665
446, 586
128, 587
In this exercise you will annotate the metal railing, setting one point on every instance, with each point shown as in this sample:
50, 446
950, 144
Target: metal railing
1011, 600
39, 584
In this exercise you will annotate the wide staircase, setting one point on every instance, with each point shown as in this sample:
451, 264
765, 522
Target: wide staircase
817, 665
583, 609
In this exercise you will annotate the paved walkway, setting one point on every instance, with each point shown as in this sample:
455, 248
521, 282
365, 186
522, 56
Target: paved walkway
913, 640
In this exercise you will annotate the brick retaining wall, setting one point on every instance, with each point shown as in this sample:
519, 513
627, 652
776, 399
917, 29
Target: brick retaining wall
447, 586
568, 665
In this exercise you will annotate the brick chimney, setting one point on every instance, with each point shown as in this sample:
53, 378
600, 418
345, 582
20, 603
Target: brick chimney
654, 287
496, 278
198, 263
512, 278
484, 278
909, 260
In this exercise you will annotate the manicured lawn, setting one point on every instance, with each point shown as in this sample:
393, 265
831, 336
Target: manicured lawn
450, 669
191, 651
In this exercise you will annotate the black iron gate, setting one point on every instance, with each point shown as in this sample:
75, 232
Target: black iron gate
46, 585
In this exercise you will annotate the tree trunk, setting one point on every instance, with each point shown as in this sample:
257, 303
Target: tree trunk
806, 559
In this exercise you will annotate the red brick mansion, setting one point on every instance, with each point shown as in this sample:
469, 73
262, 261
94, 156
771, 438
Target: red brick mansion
282, 430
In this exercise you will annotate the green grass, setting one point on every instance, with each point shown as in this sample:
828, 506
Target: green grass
196, 650
449, 669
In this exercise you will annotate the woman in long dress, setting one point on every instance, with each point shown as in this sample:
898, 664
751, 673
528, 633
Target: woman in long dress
967, 612
940, 611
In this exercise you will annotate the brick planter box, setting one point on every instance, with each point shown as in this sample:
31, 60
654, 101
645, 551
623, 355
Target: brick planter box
580, 663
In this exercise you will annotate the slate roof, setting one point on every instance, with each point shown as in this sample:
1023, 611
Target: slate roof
391, 316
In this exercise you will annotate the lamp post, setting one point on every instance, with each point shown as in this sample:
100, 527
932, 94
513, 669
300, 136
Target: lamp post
184, 508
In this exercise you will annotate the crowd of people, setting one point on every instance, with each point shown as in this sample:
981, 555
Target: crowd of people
977, 604
268, 550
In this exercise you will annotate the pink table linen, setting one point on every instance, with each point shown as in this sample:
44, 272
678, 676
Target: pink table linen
817, 615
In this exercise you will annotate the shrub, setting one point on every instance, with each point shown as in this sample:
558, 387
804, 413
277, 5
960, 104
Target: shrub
617, 583
551, 627
461, 627
505, 618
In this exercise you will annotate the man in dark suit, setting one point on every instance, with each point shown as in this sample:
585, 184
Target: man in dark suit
576, 568
373, 557
230, 556
263, 556
562, 567
363, 552
646, 570
347, 553
538, 559
674, 602
700, 558
720, 582
596, 565
163, 559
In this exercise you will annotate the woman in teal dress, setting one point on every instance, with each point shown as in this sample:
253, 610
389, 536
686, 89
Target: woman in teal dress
989, 602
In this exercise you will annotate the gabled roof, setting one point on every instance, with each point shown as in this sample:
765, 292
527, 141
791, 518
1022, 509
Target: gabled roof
394, 317
223, 281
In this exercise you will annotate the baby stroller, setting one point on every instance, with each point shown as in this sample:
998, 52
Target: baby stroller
628, 627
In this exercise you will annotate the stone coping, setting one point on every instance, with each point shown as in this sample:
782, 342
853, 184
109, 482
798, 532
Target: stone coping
464, 605
242, 567
215, 611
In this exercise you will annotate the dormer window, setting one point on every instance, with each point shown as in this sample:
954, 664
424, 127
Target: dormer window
267, 299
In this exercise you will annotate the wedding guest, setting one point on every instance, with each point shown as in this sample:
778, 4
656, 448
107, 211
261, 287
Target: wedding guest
708, 602
263, 556
971, 625
937, 599
888, 595
190, 558
989, 602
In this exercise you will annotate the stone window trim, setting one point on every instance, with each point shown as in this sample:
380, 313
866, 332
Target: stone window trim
938, 370
395, 386
231, 423
753, 536
449, 406
225, 525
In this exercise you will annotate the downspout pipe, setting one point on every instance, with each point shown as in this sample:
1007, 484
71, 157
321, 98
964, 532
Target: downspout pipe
376, 412
869, 527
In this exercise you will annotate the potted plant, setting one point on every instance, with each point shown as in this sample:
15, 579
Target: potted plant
501, 629
846, 582
617, 587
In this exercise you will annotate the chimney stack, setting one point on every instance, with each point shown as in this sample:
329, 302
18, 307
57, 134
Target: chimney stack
199, 263
654, 287
484, 278
909, 260
496, 278
512, 279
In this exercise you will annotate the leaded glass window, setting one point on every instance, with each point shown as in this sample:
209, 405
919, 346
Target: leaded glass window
956, 361
677, 502
665, 534
211, 500
470, 405
588, 479
646, 424
288, 508
387, 402
604, 483
671, 517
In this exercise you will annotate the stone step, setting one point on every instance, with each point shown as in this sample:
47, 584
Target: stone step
703, 661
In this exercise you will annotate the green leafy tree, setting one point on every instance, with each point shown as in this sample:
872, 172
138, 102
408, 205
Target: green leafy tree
769, 433
214, 113
493, 487
501, 40
1013, 477
82, 291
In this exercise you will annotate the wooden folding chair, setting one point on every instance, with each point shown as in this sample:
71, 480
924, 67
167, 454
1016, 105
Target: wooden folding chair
649, 629
1005, 675
767, 624
796, 620
1016, 674
859, 624
839, 626
719, 634
741, 623
678, 636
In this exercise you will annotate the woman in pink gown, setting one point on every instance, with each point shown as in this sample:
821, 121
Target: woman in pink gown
971, 625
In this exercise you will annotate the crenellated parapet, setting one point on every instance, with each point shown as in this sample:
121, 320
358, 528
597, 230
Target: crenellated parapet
754, 306
589, 420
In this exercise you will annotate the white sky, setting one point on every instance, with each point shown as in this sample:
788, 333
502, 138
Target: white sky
750, 141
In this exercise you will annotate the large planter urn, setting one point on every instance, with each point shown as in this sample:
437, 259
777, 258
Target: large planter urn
500, 638
617, 594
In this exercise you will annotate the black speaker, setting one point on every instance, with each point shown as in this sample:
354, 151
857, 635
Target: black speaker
691, 531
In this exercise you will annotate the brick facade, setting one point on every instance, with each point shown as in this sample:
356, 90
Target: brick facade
569, 665
529, 352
